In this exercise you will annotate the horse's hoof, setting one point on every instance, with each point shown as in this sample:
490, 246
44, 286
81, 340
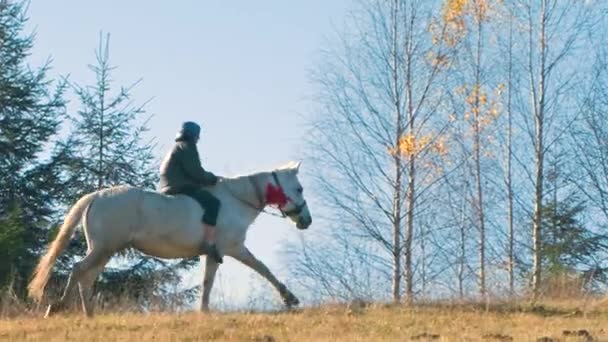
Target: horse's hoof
290, 300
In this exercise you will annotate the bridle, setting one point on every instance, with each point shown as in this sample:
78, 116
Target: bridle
263, 202
298, 207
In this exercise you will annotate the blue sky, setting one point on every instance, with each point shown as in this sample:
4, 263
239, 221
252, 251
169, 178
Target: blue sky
238, 67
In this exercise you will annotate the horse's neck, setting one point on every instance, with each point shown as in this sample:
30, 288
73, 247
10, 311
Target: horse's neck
249, 189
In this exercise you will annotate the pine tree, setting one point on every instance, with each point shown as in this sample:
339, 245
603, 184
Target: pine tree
571, 250
31, 112
108, 148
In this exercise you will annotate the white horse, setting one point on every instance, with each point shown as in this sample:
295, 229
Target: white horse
170, 227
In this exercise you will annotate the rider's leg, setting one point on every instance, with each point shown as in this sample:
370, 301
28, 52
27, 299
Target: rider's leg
212, 207
209, 244
209, 233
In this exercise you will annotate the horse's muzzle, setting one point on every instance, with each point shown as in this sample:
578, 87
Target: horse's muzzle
304, 223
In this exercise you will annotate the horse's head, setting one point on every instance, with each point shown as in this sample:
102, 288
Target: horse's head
288, 194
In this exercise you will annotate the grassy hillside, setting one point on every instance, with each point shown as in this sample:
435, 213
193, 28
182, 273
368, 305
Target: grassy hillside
332, 323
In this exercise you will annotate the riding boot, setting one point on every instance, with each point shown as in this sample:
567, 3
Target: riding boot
209, 236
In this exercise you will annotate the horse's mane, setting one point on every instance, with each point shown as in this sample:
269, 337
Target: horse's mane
290, 166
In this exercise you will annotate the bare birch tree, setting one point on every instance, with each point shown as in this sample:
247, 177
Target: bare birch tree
478, 110
509, 161
554, 31
377, 135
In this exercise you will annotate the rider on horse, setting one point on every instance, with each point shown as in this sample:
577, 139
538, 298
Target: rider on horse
181, 173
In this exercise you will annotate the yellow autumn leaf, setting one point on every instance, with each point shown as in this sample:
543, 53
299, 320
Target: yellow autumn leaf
409, 145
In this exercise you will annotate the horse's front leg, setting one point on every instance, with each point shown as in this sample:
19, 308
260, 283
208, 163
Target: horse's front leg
210, 269
247, 258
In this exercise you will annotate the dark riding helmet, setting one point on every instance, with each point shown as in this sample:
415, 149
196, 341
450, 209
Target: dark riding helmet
190, 131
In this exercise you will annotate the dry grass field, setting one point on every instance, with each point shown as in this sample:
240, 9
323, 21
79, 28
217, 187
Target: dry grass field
469, 322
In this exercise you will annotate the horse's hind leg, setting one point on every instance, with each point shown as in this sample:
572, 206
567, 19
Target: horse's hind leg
78, 271
86, 285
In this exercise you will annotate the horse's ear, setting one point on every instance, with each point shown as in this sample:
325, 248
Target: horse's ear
297, 166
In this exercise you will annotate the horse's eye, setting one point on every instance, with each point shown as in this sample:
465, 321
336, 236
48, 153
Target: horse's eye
300, 190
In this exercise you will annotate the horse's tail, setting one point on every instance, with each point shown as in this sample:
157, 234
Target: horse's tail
43, 270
